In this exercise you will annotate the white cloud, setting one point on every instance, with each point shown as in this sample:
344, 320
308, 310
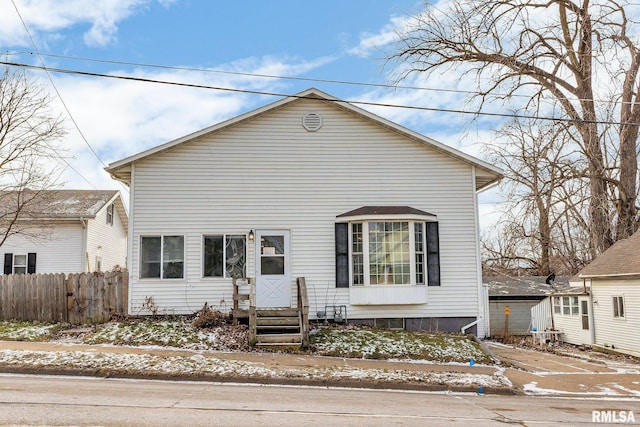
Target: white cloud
45, 18
375, 42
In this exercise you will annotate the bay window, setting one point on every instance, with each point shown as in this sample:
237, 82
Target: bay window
387, 253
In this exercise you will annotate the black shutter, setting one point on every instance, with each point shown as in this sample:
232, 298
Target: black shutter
31, 263
8, 263
433, 254
342, 255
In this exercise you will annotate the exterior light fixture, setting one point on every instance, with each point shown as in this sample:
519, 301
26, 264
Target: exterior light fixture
251, 235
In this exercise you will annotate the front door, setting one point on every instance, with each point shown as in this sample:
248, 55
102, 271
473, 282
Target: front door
273, 269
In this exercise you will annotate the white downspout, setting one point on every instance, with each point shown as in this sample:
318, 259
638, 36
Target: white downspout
85, 255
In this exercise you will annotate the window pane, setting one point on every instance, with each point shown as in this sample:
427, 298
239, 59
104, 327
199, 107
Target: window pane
272, 245
419, 250
574, 305
389, 253
356, 254
556, 305
566, 308
213, 256
150, 257
19, 270
271, 265
20, 260
235, 251
173, 257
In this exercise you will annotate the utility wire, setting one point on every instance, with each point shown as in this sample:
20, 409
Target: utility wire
54, 86
257, 92
279, 77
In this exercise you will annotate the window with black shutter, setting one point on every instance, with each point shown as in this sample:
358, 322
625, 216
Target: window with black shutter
342, 255
433, 254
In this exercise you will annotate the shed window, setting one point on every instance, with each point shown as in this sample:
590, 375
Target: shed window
162, 257
225, 256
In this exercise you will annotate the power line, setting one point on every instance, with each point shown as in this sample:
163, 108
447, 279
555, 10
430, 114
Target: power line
257, 92
280, 77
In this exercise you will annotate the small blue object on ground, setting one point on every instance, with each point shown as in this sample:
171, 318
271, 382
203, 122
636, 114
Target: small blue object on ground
472, 362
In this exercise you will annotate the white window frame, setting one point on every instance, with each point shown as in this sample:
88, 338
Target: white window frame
110, 213
365, 252
225, 273
618, 304
162, 237
566, 305
23, 266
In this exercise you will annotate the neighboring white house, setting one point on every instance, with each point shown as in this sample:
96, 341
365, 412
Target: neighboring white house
69, 231
381, 221
614, 279
602, 307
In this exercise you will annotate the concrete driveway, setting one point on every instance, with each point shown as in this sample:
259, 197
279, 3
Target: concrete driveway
573, 372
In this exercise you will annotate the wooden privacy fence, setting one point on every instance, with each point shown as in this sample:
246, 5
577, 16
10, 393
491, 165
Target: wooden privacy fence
74, 298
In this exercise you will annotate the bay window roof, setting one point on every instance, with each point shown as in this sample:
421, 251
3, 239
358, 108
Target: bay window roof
386, 212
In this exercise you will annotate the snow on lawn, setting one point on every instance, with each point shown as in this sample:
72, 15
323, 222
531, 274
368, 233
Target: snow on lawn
387, 344
175, 333
198, 364
27, 331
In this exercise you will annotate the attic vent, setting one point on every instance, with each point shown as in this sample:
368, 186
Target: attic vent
312, 122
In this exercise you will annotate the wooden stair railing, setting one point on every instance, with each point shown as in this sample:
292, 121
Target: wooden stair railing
274, 327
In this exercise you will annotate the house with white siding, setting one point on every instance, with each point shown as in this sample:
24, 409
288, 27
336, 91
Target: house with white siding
381, 221
614, 282
601, 308
67, 231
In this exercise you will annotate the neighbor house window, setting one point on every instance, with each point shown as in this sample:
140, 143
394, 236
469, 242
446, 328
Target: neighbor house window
387, 253
566, 305
110, 209
162, 257
19, 263
225, 256
618, 307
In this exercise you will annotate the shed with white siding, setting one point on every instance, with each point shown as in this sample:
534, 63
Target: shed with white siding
66, 231
381, 221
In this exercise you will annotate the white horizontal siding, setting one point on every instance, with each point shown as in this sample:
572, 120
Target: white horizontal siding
571, 326
623, 333
271, 173
109, 242
59, 248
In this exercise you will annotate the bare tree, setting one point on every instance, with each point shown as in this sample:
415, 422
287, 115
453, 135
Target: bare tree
560, 53
28, 136
542, 221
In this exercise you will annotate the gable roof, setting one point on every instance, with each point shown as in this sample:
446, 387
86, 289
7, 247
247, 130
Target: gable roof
622, 259
485, 176
63, 204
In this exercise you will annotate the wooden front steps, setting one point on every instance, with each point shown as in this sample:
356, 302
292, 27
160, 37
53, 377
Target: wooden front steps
275, 327
278, 327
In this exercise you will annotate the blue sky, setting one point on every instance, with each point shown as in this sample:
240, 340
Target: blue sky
342, 40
